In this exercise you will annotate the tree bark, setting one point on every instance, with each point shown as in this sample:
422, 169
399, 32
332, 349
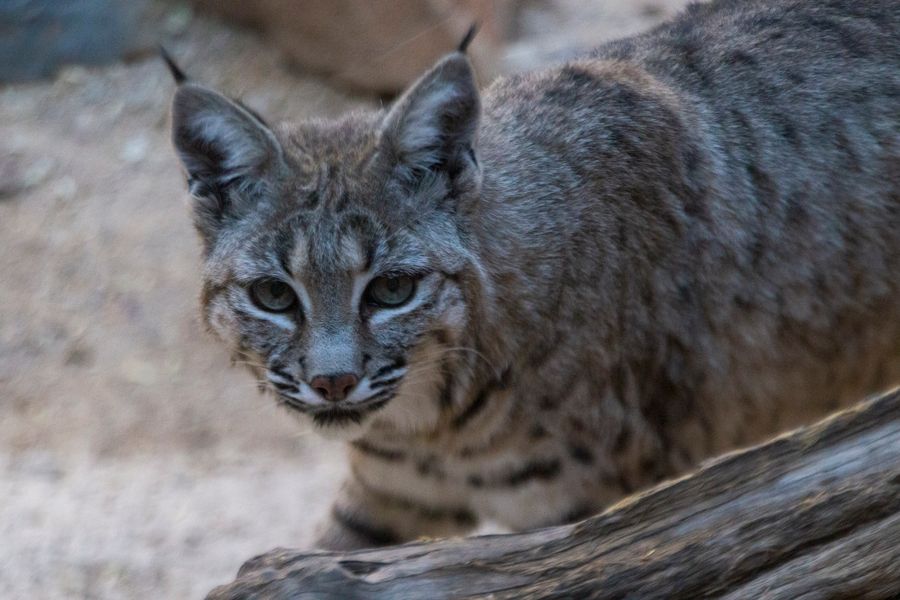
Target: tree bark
812, 514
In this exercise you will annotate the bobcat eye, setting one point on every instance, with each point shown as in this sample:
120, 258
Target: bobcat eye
272, 295
390, 292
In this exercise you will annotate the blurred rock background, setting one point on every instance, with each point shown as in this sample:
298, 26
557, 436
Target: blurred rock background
134, 463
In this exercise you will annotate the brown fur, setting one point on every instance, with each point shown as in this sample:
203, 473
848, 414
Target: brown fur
680, 244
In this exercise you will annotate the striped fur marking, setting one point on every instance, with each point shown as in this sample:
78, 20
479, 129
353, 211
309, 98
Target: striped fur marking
378, 452
537, 470
480, 400
378, 536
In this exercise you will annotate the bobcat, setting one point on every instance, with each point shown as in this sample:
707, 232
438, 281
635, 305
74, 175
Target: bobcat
522, 304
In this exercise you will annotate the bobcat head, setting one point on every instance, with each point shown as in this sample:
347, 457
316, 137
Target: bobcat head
337, 265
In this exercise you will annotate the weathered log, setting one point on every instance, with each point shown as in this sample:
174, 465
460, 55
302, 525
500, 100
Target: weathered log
812, 514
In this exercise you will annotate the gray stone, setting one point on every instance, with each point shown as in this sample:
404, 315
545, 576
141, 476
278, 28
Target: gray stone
38, 36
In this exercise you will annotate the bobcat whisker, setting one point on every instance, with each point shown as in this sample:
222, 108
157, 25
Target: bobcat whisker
432, 361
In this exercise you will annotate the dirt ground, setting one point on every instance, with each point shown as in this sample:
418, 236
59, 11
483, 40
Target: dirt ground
134, 463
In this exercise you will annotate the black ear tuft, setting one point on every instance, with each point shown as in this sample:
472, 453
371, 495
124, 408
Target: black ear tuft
177, 74
467, 39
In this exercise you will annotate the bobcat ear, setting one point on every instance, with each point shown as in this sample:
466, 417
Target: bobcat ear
433, 126
220, 142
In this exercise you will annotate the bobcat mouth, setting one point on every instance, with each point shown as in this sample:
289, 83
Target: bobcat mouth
338, 415
348, 415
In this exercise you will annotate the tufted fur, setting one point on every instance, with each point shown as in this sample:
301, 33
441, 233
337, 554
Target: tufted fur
682, 243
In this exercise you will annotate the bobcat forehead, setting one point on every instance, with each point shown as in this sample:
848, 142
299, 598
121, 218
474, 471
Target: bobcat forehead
342, 146
327, 246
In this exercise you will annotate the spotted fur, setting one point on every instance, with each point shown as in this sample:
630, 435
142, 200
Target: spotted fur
679, 244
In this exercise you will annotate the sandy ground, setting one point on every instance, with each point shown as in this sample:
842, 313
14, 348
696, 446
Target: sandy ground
134, 463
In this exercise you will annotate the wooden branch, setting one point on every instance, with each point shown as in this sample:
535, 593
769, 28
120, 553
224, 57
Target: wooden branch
812, 514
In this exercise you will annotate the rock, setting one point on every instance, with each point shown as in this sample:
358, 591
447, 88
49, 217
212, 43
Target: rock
64, 189
41, 35
17, 174
178, 20
135, 149
38, 172
139, 372
39, 464
10, 176
375, 46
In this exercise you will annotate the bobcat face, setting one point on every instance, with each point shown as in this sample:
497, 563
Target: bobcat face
334, 261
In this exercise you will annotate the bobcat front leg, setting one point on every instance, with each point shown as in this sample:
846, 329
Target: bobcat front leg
364, 518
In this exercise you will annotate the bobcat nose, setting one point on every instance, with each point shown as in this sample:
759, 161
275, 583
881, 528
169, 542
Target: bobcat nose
334, 388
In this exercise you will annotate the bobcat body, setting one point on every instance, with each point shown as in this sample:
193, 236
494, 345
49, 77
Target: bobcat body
522, 304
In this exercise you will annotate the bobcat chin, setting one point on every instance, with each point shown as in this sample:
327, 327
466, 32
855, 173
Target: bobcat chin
522, 303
